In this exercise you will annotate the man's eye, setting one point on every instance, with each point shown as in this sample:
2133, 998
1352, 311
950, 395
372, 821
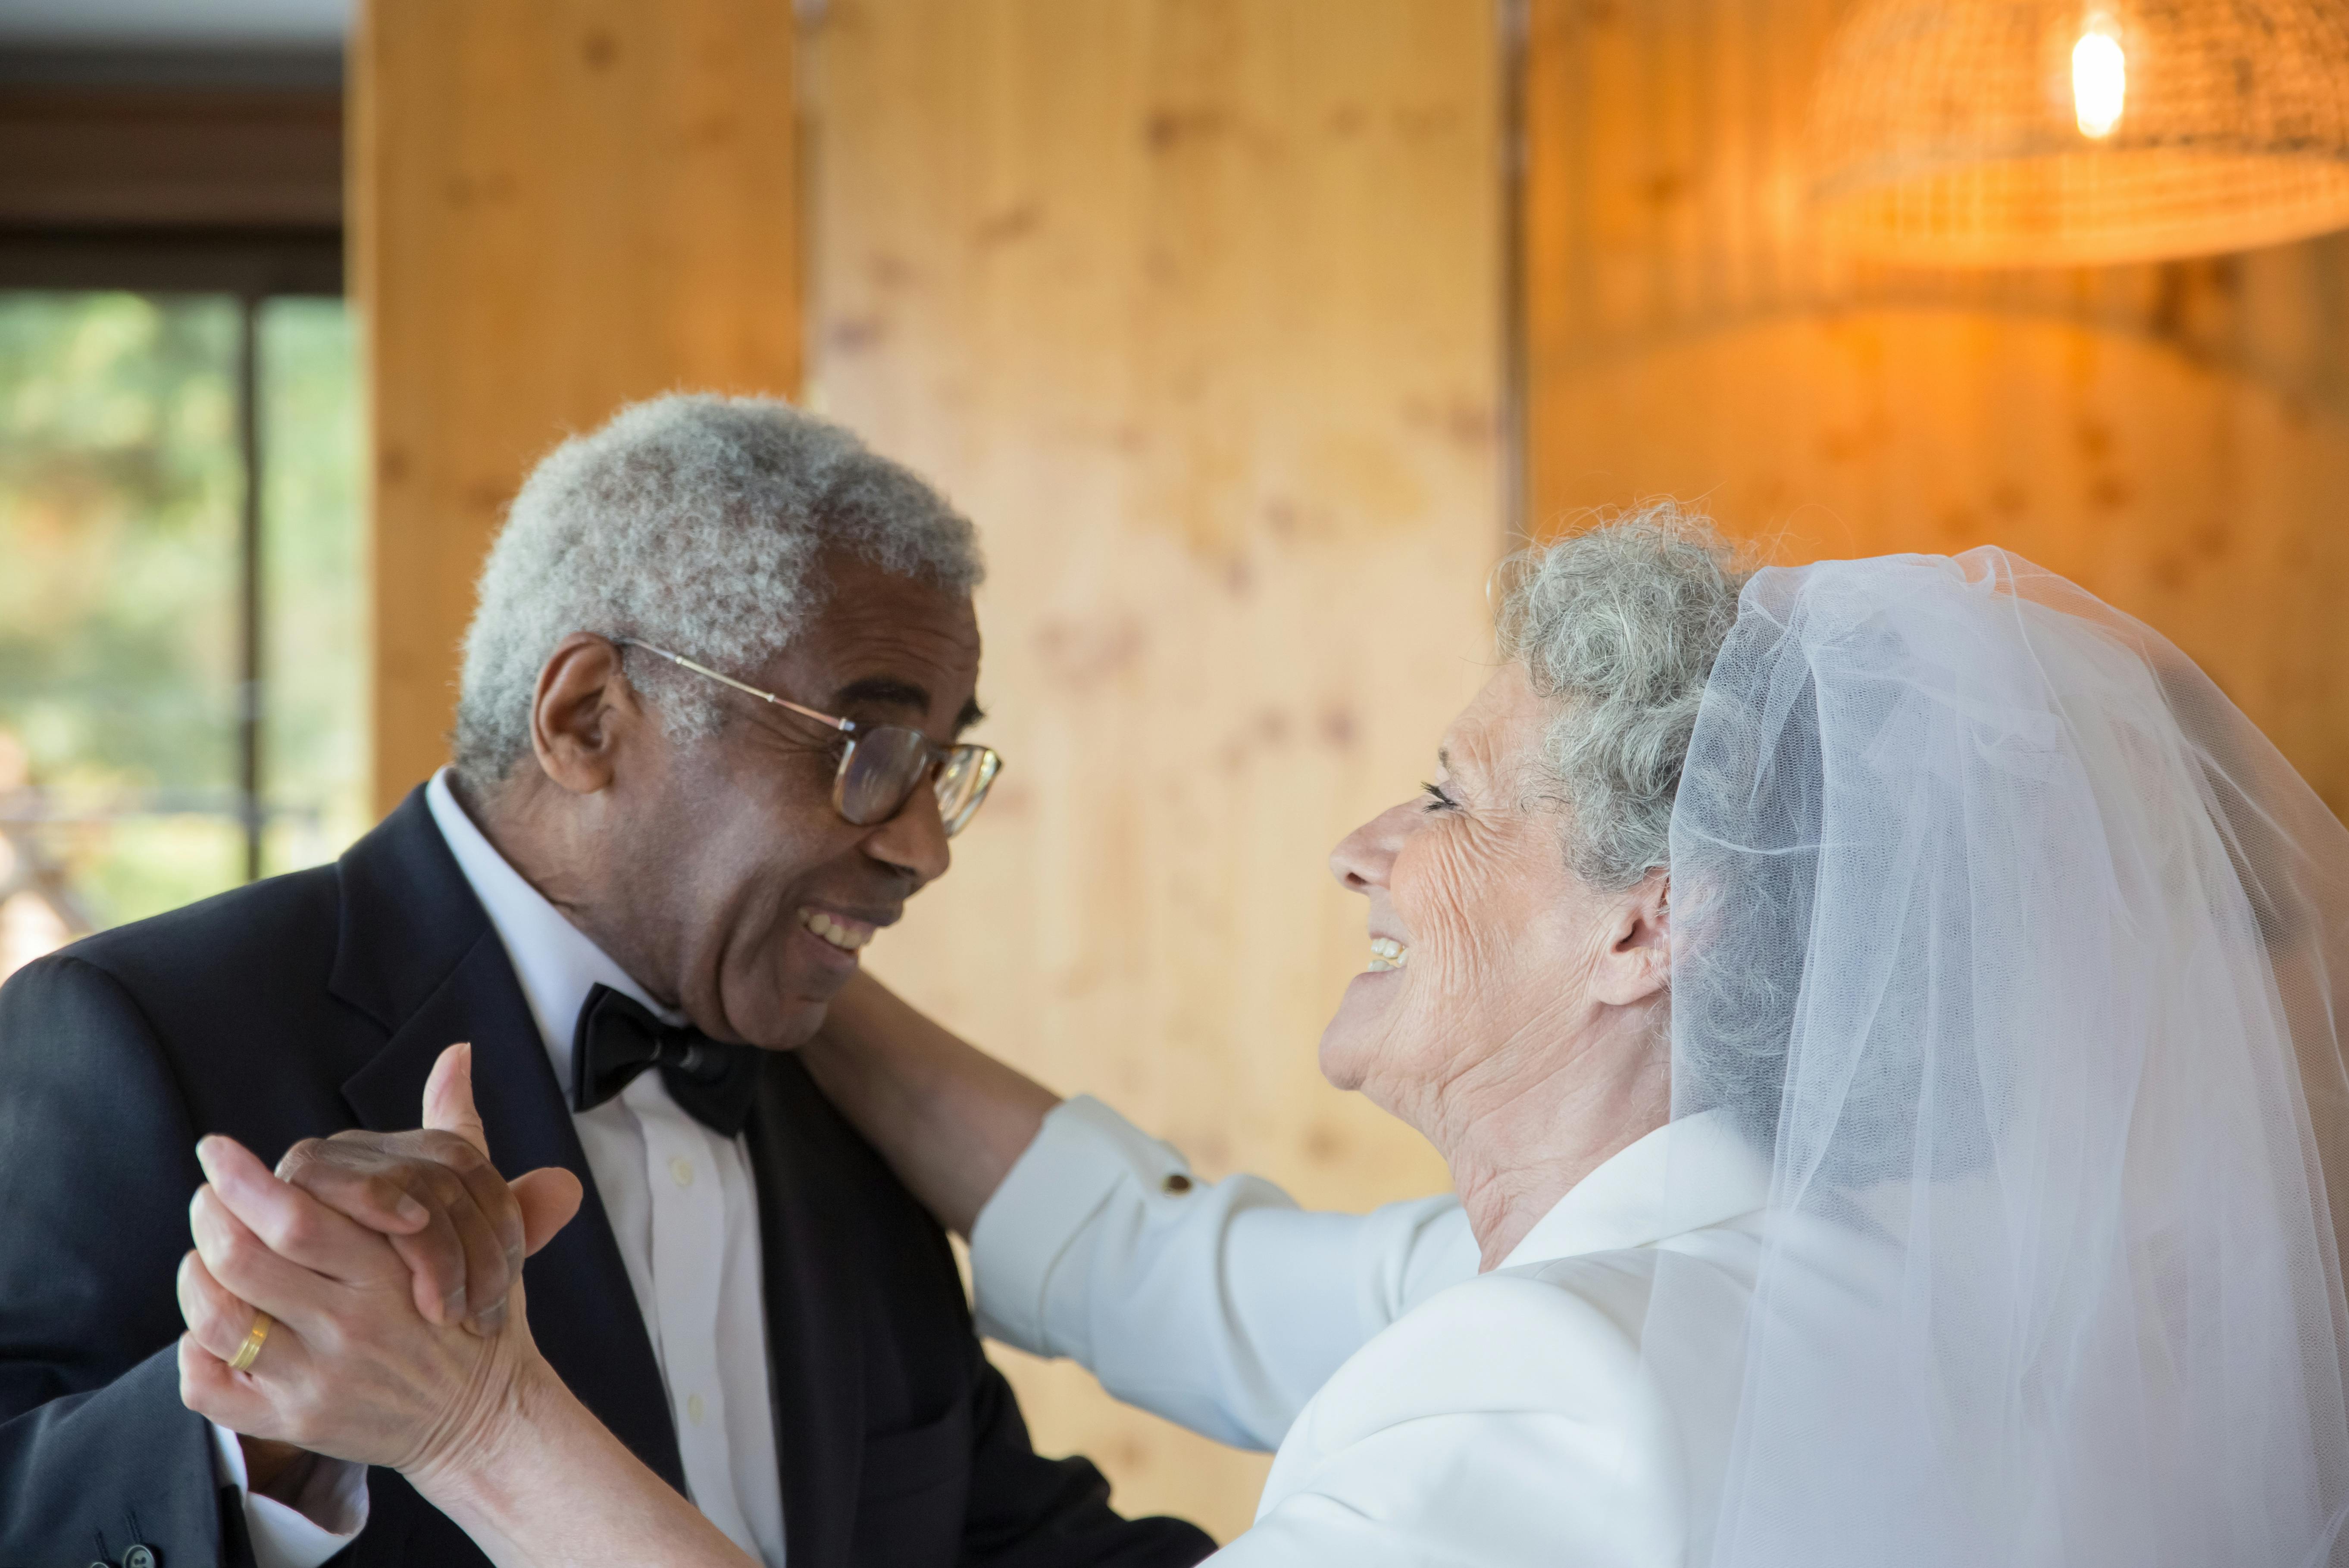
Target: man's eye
1437, 800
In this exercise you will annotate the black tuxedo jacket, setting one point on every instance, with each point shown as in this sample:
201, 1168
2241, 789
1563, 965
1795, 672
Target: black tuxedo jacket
315, 1002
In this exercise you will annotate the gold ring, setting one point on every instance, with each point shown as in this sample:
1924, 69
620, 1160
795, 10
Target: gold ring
251, 1346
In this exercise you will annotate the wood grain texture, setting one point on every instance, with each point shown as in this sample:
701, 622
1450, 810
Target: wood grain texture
558, 206
1194, 306
146, 158
2174, 437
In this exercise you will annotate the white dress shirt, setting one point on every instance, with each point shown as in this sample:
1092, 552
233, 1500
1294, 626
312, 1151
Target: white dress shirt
1422, 1412
331, 1508
682, 1207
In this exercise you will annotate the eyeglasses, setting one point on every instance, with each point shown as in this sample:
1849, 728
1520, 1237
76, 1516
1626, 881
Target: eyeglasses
881, 764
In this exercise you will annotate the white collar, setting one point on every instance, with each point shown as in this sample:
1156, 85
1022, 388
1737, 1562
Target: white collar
1684, 1176
557, 962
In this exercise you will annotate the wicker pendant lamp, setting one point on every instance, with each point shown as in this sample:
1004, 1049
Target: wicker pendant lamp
2023, 132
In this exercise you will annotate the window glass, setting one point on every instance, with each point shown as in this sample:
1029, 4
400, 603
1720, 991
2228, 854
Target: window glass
314, 602
122, 576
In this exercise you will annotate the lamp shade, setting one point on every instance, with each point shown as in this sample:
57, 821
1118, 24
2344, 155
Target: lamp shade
2021, 132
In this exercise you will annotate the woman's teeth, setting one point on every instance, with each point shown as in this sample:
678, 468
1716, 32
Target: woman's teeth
1386, 953
848, 936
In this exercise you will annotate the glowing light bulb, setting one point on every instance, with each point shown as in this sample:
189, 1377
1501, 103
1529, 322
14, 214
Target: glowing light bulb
2099, 80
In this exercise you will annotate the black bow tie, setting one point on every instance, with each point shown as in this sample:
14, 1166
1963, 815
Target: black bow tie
618, 1038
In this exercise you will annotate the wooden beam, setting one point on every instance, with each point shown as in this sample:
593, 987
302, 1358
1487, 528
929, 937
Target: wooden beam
81, 157
1194, 304
559, 206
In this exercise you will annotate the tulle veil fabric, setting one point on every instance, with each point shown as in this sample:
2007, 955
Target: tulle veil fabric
2019, 953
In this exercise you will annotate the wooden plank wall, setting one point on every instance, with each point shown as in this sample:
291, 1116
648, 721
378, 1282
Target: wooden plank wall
2176, 437
558, 206
1194, 306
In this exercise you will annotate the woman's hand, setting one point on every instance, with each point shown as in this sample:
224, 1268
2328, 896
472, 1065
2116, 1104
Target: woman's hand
950, 1120
349, 1366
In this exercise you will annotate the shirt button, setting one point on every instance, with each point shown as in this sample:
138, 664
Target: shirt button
1175, 1184
682, 1169
693, 1408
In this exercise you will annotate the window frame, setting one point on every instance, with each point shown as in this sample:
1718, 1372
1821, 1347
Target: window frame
187, 172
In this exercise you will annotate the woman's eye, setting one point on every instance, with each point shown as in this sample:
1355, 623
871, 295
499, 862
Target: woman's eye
1437, 800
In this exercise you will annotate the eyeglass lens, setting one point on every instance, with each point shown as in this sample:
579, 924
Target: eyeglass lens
884, 764
963, 783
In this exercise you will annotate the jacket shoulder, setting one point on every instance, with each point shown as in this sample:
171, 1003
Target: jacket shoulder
378, 926
274, 930
1565, 1340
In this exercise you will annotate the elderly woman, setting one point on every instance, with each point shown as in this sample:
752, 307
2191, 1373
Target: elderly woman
1879, 1019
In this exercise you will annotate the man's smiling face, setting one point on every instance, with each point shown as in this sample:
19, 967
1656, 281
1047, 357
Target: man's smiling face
745, 892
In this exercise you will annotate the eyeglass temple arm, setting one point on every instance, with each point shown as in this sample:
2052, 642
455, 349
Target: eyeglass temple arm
845, 725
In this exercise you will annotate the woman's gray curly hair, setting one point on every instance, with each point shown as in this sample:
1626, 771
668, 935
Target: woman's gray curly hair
692, 522
1618, 627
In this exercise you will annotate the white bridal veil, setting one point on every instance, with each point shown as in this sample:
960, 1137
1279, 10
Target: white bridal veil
2016, 950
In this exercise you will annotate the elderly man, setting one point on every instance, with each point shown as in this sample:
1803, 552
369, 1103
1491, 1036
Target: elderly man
707, 743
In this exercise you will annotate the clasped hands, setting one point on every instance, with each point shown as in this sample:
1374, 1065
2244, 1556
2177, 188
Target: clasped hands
390, 1264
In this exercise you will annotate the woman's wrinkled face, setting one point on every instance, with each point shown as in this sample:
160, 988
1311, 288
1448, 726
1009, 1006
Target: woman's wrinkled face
1486, 956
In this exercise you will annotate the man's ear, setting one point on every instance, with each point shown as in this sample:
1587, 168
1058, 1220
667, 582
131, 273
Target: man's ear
1637, 964
582, 713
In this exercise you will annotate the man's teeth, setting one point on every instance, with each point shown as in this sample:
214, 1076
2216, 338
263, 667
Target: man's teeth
1386, 953
845, 935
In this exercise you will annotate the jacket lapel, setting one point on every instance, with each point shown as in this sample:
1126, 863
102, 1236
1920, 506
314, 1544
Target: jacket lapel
403, 895
815, 1336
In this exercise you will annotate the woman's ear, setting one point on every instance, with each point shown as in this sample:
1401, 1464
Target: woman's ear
582, 713
1637, 964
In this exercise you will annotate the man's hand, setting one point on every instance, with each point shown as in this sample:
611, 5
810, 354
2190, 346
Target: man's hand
350, 1367
275, 1470
460, 1228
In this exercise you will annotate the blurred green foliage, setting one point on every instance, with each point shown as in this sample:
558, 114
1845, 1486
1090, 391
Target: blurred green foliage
120, 485
314, 592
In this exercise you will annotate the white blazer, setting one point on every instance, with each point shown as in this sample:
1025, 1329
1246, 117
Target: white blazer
1423, 1413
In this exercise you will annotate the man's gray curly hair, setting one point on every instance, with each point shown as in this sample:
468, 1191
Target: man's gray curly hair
1618, 627
691, 523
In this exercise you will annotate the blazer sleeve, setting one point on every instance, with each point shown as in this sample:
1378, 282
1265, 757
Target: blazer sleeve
96, 1161
1220, 1307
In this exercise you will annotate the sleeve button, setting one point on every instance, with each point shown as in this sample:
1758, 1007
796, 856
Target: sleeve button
138, 1557
1175, 1184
